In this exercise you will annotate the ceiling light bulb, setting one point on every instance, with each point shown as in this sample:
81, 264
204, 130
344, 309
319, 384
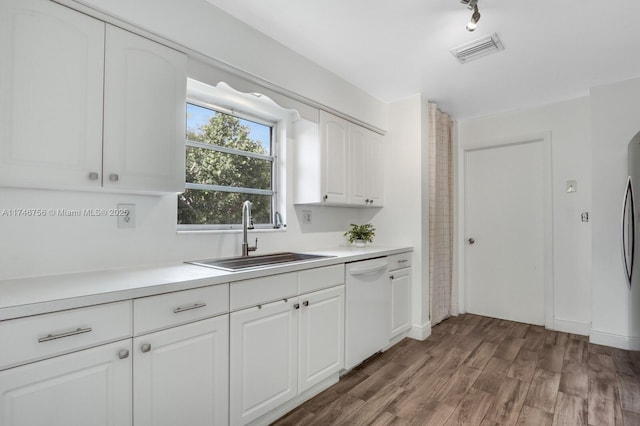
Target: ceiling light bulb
473, 23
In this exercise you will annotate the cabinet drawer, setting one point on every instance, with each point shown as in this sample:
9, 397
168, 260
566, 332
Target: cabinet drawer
319, 278
399, 261
262, 290
171, 309
42, 336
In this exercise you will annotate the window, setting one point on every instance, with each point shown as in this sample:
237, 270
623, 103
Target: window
229, 159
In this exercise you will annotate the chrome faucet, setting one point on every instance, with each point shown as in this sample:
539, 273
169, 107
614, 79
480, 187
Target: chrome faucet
247, 223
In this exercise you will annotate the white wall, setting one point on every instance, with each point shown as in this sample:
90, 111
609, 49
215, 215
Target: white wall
402, 220
568, 123
615, 120
36, 246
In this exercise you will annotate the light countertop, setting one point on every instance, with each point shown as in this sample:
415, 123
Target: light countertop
32, 296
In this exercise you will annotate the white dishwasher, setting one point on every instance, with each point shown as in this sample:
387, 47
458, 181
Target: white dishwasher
368, 310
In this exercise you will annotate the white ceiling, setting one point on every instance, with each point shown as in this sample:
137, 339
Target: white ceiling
392, 49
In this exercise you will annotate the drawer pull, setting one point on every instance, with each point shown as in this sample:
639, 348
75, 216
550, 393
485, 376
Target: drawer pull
403, 260
189, 307
124, 353
146, 347
65, 334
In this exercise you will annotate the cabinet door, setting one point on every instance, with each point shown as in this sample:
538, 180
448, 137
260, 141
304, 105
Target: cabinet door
334, 140
181, 377
321, 334
89, 387
144, 115
400, 301
263, 365
358, 166
374, 170
51, 72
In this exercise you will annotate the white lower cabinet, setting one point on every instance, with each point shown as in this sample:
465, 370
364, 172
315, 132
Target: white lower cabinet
400, 271
400, 301
321, 340
88, 387
180, 375
264, 344
281, 349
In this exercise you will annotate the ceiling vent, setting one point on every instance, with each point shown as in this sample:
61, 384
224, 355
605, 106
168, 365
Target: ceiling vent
477, 48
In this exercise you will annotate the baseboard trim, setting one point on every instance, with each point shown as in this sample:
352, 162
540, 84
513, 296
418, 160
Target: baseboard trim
614, 340
420, 332
573, 327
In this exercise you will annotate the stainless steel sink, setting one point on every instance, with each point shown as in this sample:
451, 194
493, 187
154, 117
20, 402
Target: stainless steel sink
248, 262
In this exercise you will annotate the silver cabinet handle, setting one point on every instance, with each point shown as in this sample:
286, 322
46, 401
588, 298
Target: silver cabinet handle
124, 353
403, 260
392, 277
113, 177
50, 336
146, 347
93, 176
296, 306
305, 303
628, 231
189, 307
471, 241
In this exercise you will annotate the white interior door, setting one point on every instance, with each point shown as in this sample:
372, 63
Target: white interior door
505, 232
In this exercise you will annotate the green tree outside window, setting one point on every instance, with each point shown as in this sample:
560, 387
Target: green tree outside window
219, 161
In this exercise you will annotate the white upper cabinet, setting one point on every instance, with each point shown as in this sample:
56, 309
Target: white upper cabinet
338, 164
374, 170
144, 114
55, 77
358, 181
366, 184
334, 143
51, 76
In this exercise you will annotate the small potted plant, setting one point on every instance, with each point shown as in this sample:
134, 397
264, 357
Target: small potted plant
360, 234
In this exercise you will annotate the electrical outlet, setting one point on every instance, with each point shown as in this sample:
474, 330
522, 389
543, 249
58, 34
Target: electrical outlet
126, 215
306, 217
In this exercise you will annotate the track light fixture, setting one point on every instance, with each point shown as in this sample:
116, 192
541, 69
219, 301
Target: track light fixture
475, 17
473, 22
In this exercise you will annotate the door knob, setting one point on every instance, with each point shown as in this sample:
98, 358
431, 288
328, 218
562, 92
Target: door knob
471, 240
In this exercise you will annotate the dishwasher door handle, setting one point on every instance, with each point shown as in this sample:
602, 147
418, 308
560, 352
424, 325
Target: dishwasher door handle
368, 269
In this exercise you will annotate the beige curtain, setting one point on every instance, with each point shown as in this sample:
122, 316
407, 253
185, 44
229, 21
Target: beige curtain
442, 294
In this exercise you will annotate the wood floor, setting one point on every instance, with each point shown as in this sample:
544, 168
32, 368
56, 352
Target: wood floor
475, 370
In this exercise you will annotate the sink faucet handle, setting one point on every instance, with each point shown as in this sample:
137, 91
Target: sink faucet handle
254, 248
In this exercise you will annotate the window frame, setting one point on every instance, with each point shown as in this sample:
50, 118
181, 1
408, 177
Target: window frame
253, 116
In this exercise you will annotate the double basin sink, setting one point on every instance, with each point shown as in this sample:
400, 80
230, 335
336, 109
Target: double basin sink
241, 263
